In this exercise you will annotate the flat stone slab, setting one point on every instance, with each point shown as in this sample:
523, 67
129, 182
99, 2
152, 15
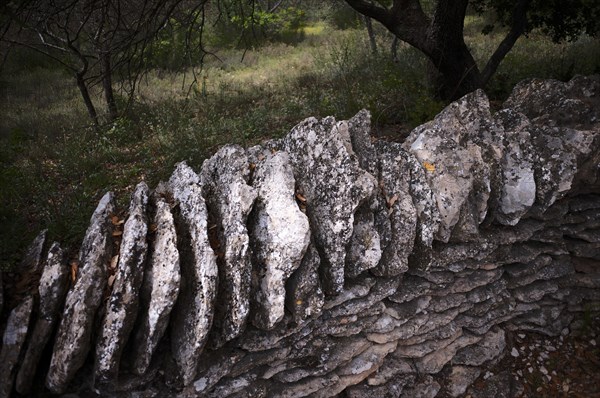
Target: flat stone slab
159, 290
52, 289
193, 314
73, 340
280, 235
15, 333
229, 198
331, 180
122, 306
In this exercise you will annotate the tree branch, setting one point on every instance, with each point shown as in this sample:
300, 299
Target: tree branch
518, 27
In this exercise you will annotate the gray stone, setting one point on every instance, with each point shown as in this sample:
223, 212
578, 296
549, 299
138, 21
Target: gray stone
122, 306
426, 387
394, 182
229, 198
518, 182
32, 261
489, 348
329, 176
454, 165
279, 234
192, 316
502, 385
159, 290
73, 340
461, 377
52, 290
434, 362
17, 327
304, 296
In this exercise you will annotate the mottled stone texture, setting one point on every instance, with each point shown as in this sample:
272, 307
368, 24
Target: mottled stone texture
73, 340
122, 306
52, 290
332, 264
15, 333
229, 198
193, 314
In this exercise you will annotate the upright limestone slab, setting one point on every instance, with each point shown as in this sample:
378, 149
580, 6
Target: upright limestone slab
17, 327
279, 234
194, 311
229, 199
122, 306
73, 340
454, 161
52, 290
159, 290
329, 176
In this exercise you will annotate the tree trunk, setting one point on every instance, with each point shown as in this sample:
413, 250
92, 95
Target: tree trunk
86, 98
371, 33
458, 73
107, 86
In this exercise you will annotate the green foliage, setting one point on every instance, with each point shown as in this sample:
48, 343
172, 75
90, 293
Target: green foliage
559, 19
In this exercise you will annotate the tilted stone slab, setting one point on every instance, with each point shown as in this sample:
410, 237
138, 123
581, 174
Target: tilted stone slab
52, 290
394, 182
364, 249
193, 315
159, 290
304, 295
229, 198
518, 180
15, 333
280, 235
73, 340
122, 306
330, 178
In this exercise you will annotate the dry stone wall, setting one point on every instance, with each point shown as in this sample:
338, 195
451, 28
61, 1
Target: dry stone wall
327, 262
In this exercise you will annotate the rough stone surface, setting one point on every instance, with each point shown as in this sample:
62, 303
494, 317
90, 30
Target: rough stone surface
224, 180
159, 290
15, 333
329, 176
122, 306
52, 290
73, 340
193, 314
279, 235
428, 252
305, 296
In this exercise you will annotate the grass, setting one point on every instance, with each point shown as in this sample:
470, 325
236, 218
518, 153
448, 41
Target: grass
55, 167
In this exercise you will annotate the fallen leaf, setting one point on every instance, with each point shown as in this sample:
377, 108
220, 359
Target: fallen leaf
117, 233
392, 200
153, 227
111, 280
114, 220
114, 261
261, 157
300, 197
430, 167
74, 269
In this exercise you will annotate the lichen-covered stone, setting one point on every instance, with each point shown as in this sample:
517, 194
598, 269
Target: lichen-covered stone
518, 181
159, 289
394, 182
229, 198
450, 152
193, 314
122, 306
329, 176
52, 290
279, 235
73, 340
304, 295
13, 339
